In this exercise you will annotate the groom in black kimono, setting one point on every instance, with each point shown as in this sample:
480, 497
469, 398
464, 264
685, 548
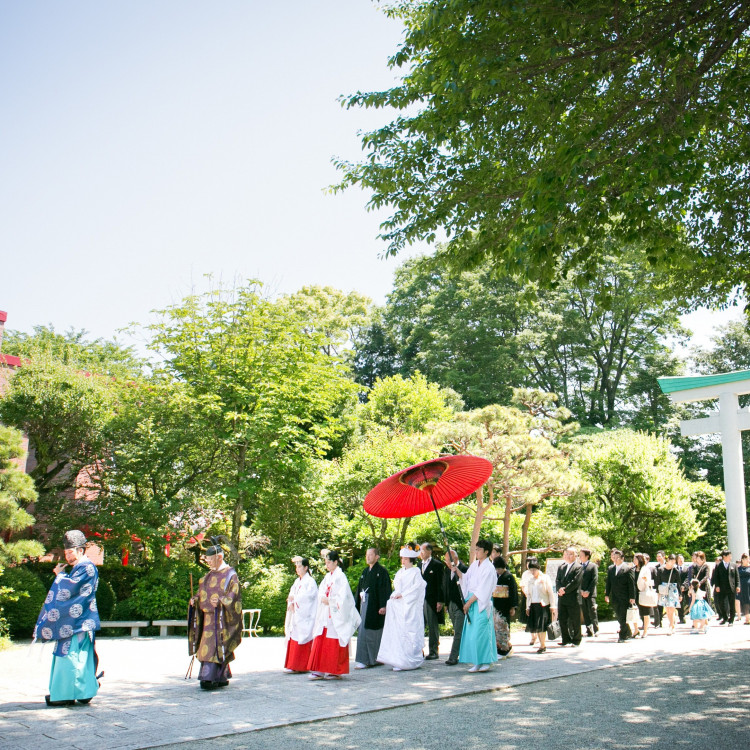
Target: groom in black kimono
373, 591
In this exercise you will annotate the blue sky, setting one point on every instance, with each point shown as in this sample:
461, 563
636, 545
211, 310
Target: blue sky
146, 143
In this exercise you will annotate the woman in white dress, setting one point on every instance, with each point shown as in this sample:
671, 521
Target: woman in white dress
403, 632
336, 620
301, 608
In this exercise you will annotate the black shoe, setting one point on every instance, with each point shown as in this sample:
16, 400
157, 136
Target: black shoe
58, 703
451, 662
84, 700
589, 634
221, 684
542, 650
208, 685
431, 657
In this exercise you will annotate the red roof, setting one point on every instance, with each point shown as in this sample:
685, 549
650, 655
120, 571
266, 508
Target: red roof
10, 360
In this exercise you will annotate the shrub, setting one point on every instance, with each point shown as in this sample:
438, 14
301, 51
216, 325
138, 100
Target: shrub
105, 600
265, 587
22, 613
163, 593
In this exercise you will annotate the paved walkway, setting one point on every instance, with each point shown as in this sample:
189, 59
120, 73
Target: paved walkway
145, 702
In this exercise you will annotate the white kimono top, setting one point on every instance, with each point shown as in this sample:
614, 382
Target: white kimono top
340, 615
300, 613
480, 580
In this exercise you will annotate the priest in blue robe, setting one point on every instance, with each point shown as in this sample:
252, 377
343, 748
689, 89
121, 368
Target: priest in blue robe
70, 618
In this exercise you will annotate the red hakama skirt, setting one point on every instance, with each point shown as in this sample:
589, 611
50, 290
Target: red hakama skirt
328, 655
297, 655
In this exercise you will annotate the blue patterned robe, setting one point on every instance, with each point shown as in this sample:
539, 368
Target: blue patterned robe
70, 617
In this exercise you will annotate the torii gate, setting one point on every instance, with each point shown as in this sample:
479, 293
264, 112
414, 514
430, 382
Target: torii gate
729, 421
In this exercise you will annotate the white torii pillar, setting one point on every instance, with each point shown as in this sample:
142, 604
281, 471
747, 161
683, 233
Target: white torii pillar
729, 421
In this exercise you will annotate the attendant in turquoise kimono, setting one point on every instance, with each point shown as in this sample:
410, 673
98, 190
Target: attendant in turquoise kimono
478, 646
70, 617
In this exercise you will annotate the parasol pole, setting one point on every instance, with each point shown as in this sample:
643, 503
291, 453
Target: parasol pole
445, 537
440, 522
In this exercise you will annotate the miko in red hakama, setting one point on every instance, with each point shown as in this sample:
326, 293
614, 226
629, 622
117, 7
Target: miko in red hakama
337, 619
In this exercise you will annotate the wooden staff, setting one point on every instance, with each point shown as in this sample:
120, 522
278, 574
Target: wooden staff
189, 672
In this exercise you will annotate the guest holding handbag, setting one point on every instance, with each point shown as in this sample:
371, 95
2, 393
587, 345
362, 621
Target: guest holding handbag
668, 581
647, 596
541, 604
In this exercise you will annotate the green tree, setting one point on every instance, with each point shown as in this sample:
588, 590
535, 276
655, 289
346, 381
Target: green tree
16, 492
337, 315
158, 475
528, 131
458, 329
528, 465
75, 349
406, 405
639, 501
348, 480
590, 340
266, 386
64, 412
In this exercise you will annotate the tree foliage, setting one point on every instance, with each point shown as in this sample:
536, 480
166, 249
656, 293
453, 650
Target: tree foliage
590, 341
16, 493
64, 411
75, 349
520, 442
639, 501
268, 390
529, 131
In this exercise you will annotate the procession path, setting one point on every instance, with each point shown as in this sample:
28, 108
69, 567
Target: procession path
146, 702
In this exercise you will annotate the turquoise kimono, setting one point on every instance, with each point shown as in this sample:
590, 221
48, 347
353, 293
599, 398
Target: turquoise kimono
70, 617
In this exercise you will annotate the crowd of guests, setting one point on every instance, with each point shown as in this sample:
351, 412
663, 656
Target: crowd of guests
482, 599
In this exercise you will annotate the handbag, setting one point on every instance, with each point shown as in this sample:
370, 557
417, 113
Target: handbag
648, 598
632, 614
553, 630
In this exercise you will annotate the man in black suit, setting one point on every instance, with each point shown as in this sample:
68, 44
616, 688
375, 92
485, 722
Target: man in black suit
454, 602
620, 590
726, 583
568, 584
432, 572
587, 594
685, 600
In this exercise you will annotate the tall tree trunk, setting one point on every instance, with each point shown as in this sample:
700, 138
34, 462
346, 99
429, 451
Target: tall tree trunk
506, 527
525, 536
478, 518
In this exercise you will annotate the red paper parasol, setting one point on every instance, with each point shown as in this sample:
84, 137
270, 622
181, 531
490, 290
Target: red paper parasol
428, 486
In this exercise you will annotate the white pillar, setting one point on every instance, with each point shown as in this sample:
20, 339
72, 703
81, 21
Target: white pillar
734, 475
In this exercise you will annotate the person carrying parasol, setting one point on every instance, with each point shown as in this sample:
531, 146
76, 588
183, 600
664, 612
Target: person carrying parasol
478, 646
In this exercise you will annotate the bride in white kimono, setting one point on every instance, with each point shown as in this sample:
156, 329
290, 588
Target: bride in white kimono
403, 632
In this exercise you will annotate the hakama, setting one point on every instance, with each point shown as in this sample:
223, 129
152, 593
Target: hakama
478, 637
403, 634
70, 617
300, 623
335, 624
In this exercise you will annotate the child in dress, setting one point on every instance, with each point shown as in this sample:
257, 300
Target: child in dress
699, 609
